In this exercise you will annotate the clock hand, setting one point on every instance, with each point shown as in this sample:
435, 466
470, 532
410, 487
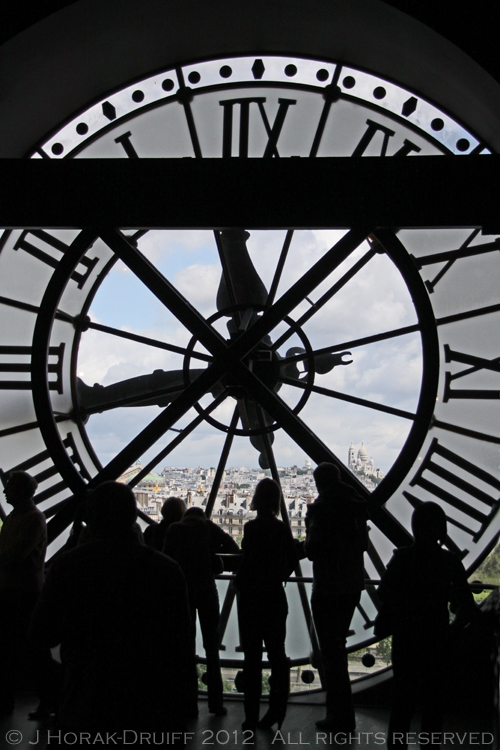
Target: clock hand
323, 363
240, 285
158, 389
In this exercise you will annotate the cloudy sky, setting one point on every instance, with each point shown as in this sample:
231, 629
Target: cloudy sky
373, 301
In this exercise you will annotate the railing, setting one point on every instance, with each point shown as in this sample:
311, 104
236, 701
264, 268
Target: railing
231, 561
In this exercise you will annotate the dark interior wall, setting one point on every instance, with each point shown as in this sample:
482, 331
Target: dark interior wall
471, 26
87, 48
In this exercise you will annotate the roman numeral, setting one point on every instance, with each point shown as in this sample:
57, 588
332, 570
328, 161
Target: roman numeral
273, 131
33, 466
26, 242
431, 469
368, 621
124, 140
375, 559
369, 134
476, 365
22, 364
26, 427
450, 256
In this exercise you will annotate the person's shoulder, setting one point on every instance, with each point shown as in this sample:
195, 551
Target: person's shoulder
34, 515
404, 553
452, 560
351, 496
279, 525
402, 557
214, 527
317, 508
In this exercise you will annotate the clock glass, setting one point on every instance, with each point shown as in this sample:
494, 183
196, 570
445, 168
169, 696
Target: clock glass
266, 350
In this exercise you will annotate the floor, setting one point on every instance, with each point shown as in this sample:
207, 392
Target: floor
298, 731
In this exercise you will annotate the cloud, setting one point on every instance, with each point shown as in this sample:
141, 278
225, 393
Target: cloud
199, 284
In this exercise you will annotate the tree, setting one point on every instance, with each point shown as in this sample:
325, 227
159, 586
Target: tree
384, 649
489, 570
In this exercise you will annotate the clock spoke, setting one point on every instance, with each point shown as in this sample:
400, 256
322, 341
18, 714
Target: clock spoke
155, 343
354, 343
163, 422
279, 268
314, 447
351, 399
165, 292
221, 466
298, 291
328, 295
183, 434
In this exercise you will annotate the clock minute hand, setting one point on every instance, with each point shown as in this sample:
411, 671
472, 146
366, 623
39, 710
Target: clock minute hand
240, 285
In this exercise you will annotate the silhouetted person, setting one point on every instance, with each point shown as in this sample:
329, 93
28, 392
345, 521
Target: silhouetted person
336, 537
120, 611
194, 542
269, 558
172, 510
23, 543
415, 590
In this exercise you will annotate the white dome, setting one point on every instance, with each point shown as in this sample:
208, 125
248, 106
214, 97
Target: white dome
362, 452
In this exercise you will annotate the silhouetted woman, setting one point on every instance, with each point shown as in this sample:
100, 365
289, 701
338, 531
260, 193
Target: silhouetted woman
268, 559
419, 582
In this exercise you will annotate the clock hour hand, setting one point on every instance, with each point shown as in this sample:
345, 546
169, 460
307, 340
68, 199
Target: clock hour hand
157, 389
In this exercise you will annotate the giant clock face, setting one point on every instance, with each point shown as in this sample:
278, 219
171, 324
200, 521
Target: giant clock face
269, 345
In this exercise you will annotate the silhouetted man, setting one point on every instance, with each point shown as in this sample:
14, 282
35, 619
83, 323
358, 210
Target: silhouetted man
336, 537
194, 542
172, 510
23, 542
119, 609
415, 591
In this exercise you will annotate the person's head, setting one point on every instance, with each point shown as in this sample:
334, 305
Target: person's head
112, 509
325, 475
195, 512
173, 509
266, 499
19, 488
428, 524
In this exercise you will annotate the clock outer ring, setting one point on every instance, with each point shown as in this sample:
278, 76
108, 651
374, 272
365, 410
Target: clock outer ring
430, 362
74, 55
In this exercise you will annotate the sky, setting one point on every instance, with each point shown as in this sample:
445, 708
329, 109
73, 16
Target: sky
373, 301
